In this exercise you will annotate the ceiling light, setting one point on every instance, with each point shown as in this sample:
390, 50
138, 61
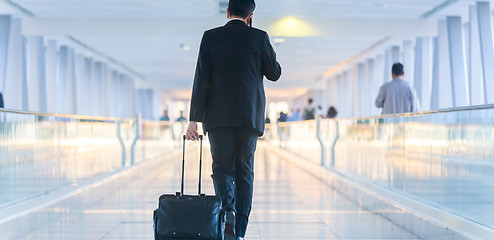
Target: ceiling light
292, 27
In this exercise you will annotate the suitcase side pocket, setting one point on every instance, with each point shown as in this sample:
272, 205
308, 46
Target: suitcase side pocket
155, 224
221, 225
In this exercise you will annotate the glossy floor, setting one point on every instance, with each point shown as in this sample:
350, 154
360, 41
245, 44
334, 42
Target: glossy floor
288, 204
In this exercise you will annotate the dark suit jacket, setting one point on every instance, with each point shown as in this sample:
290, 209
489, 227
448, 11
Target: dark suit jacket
228, 86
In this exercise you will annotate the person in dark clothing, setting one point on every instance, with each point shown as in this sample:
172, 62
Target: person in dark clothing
228, 98
283, 117
268, 120
1, 101
181, 118
165, 117
331, 112
309, 111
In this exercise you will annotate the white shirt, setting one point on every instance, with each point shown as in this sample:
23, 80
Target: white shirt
231, 19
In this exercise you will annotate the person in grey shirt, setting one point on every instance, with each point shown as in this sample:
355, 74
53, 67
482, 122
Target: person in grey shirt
397, 96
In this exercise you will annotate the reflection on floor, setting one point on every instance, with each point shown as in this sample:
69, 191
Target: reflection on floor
288, 204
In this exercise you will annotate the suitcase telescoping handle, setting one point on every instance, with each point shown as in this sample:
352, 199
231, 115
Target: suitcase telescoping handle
200, 167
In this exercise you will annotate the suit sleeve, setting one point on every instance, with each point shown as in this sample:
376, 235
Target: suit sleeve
201, 82
381, 97
270, 67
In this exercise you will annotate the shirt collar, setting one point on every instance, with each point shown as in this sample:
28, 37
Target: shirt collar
239, 19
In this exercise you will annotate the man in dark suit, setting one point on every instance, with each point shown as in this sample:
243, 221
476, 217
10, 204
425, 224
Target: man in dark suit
228, 98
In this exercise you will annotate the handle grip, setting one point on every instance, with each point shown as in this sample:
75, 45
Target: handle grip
200, 167
185, 138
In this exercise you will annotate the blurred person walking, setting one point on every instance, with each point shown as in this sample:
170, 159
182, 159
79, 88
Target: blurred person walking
397, 96
283, 117
295, 116
228, 98
332, 113
309, 111
181, 118
165, 116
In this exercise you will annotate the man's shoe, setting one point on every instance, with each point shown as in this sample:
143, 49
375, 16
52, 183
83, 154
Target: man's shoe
230, 225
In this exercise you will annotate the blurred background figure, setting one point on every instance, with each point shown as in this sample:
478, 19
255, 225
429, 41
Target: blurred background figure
283, 117
331, 112
397, 96
295, 116
309, 111
181, 118
165, 116
319, 111
268, 120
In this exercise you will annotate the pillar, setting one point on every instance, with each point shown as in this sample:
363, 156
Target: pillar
373, 88
5, 22
445, 93
408, 61
487, 51
81, 91
395, 55
435, 76
14, 72
51, 76
423, 71
87, 83
95, 88
457, 62
363, 91
35, 73
63, 56
476, 79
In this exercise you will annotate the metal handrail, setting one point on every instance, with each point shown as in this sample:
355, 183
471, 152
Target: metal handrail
412, 114
424, 113
73, 116
160, 123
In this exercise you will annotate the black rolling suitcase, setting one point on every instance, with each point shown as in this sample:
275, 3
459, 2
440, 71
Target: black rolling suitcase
191, 217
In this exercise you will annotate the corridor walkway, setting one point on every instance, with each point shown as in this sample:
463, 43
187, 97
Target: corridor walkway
288, 204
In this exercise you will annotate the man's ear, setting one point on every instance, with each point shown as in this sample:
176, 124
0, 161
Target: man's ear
250, 16
227, 13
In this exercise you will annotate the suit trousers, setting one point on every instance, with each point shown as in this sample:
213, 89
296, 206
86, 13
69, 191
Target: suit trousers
233, 151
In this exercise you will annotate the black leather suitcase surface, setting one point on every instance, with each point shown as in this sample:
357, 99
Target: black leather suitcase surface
191, 217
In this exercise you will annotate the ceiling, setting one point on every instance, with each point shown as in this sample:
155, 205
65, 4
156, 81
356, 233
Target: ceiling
209, 8
163, 62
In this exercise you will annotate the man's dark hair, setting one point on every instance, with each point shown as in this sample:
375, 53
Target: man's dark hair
241, 8
397, 69
310, 100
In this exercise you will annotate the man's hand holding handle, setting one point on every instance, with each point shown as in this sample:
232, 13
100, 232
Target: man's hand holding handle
192, 133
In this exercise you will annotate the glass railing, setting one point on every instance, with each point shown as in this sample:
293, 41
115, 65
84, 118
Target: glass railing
444, 157
40, 153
